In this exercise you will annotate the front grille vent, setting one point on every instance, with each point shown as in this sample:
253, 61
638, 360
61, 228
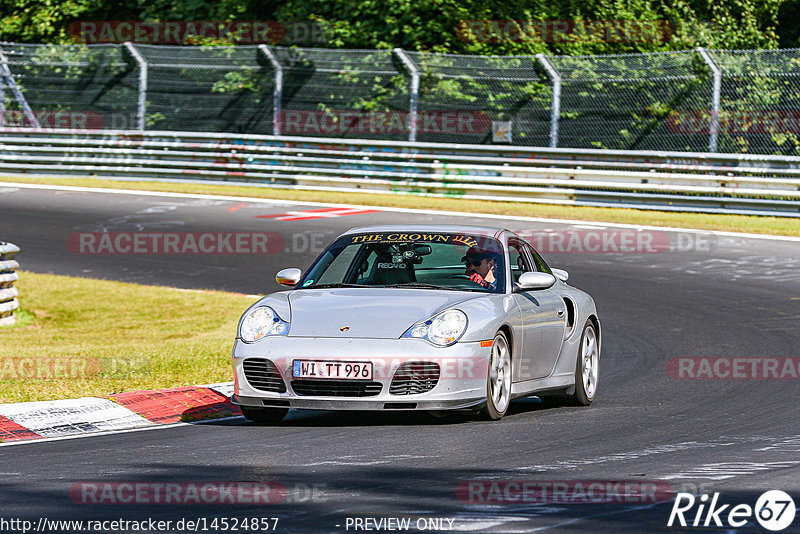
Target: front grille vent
414, 377
263, 375
336, 388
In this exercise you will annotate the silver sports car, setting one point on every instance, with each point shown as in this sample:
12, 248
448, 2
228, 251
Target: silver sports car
418, 317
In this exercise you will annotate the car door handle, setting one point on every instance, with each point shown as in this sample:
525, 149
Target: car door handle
560, 312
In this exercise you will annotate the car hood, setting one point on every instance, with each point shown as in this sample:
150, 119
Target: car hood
383, 313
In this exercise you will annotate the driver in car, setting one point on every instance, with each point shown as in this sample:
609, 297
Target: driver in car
480, 267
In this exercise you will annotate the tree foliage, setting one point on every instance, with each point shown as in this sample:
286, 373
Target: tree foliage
443, 25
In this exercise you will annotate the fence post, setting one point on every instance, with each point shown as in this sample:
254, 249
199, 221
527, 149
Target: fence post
414, 93
8, 293
277, 95
555, 109
714, 135
140, 110
2, 101
11, 83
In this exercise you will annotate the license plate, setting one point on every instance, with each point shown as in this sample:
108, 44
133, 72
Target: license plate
334, 370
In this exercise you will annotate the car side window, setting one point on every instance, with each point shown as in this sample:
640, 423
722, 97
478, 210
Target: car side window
538, 261
517, 260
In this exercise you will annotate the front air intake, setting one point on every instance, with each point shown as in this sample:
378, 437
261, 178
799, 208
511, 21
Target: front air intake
414, 377
335, 388
263, 375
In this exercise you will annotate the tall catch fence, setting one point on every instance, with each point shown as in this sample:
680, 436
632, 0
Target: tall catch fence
359, 94
696, 100
211, 89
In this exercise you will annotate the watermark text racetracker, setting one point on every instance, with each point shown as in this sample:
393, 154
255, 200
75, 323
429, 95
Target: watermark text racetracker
48, 120
606, 241
196, 242
179, 32
194, 493
600, 241
347, 123
564, 491
175, 243
734, 368
68, 367
149, 493
560, 31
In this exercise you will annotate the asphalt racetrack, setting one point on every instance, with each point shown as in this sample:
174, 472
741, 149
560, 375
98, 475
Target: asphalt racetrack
653, 425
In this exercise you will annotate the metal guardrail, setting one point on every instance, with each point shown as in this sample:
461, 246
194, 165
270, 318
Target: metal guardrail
679, 181
8, 275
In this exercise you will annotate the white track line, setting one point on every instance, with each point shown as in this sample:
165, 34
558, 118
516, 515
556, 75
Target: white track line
391, 209
94, 434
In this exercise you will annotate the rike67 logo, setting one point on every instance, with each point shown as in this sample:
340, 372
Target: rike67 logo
774, 510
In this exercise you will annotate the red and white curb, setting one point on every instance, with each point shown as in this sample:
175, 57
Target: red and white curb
321, 213
123, 411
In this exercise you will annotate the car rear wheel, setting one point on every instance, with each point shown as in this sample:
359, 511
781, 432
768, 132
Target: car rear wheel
498, 382
587, 367
270, 416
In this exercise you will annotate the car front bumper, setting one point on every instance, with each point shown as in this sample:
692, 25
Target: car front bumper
461, 379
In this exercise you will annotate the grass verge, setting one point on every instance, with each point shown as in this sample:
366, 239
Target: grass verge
79, 337
730, 223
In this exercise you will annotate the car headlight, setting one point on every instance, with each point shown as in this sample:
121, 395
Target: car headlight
259, 322
443, 329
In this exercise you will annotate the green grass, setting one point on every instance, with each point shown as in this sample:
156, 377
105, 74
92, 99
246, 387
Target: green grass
732, 223
79, 337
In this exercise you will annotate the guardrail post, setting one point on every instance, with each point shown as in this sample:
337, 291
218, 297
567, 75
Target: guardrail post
8, 275
140, 110
414, 93
714, 134
555, 108
277, 94
11, 83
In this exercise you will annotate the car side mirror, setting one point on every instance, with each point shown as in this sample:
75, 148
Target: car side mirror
535, 281
561, 274
288, 277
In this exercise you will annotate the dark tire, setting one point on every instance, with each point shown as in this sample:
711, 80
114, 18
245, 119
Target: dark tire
498, 380
587, 367
269, 416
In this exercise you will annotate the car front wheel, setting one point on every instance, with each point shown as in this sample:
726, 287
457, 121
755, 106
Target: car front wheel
498, 382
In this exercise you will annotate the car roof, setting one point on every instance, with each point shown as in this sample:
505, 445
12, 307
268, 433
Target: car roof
486, 231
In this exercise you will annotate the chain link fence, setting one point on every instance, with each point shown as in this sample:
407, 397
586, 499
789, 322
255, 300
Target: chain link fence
696, 100
361, 94
67, 86
633, 101
460, 97
210, 89
759, 101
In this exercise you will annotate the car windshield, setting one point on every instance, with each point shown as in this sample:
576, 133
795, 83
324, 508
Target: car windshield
449, 261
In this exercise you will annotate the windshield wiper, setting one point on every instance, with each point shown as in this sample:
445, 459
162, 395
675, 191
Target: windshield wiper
420, 285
